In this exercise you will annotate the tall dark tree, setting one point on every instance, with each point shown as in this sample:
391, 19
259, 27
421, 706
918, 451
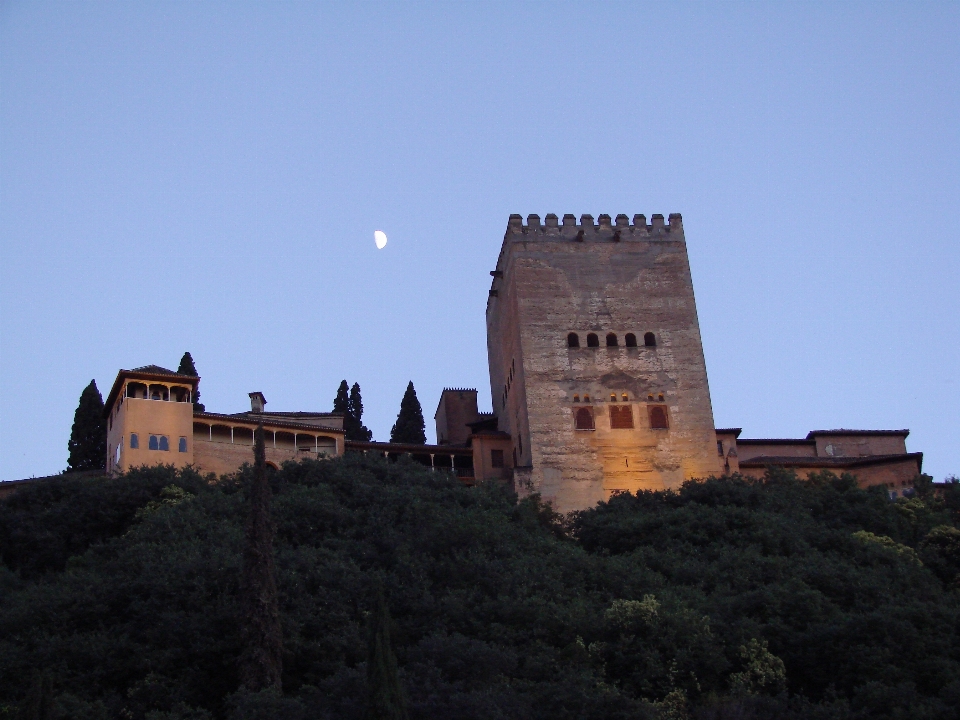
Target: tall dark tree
188, 368
409, 427
88, 436
357, 430
38, 704
341, 403
261, 661
383, 681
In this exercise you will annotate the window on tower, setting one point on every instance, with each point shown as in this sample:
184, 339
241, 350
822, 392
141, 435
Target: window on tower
593, 340
658, 417
584, 418
630, 339
649, 339
573, 340
611, 340
621, 417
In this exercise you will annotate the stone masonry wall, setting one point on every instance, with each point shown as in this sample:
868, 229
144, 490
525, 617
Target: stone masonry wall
556, 279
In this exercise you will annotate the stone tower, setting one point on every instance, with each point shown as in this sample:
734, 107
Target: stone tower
596, 363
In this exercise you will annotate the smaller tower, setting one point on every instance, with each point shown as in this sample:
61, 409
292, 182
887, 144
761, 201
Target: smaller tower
150, 419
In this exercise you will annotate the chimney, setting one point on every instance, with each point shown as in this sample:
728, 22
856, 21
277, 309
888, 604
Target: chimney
257, 401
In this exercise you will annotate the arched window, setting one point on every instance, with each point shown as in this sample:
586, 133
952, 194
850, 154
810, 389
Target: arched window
613, 397
630, 339
593, 340
621, 417
183, 445
164, 443
649, 340
611, 340
573, 340
154, 442
658, 417
576, 398
625, 397
586, 398
584, 418
134, 441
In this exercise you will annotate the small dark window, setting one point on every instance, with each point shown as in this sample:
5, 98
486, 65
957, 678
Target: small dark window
573, 340
613, 397
658, 417
584, 417
630, 339
720, 447
134, 441
576, 398
496, 458
164, 443
649, 340
611, 340
625, 397
593, 340
183, 445
621, 417
586, 398
154, 443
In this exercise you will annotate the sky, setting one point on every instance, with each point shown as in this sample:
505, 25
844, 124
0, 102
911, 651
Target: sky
208, 177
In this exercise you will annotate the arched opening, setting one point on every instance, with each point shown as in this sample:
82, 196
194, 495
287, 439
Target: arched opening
201, 431
182, 446
649, 340
593, 340
221, 434
630, 339
159, 392
134, 441
306, 443
584, 418
153, 443
327, 446
164, 443
576, 398
658, 417
573, 340
621, 417
611, 340
285, 441
243, 436
180, 394
136, 390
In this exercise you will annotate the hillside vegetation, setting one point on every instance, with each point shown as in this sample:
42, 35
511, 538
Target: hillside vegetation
731, 598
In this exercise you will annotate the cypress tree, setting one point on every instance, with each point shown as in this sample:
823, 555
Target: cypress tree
341, 403
88, 436
188, 368
261, 661
38, 704
409, 427
383, 680
357, 430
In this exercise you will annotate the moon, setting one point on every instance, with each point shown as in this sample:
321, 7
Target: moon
380, 238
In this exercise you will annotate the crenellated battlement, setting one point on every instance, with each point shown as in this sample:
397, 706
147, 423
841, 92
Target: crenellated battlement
605, 228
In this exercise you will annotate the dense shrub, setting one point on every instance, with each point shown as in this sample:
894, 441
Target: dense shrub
731, 598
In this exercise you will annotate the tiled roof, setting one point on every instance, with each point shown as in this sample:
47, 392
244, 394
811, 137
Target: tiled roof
827, 462
155, 370
278, 422
814, 433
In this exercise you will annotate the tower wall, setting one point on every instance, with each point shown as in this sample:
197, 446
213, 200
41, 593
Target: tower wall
608, 277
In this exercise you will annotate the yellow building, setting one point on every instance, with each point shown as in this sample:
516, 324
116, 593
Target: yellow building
151, 420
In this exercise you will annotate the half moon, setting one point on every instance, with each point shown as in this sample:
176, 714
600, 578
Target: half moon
380, 238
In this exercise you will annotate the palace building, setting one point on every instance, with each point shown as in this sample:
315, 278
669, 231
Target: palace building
597, 375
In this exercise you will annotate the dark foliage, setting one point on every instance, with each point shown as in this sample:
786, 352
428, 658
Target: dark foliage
728, 599
261, 661
409, 427
341, 403
88, 436
385, 692
350, 403
356, 430
188, 368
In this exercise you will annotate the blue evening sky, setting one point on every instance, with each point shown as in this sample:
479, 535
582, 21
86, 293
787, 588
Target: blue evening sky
208, 177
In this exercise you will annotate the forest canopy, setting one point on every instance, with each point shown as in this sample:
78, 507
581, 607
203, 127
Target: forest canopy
730, 598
